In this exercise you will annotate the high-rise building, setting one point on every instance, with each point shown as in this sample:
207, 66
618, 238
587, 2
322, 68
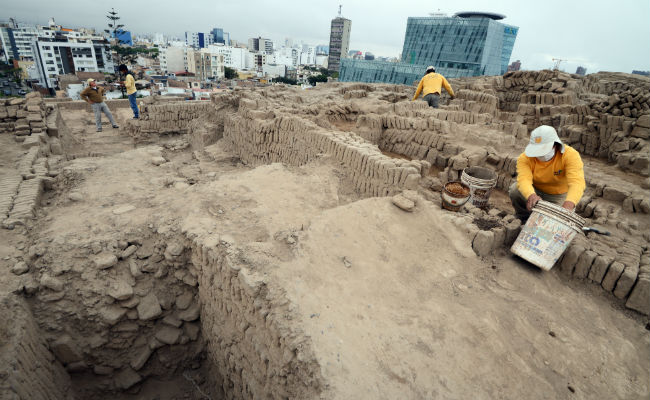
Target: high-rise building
467, 44
339, 42
217, 36
260, 44
198, 40
581, 71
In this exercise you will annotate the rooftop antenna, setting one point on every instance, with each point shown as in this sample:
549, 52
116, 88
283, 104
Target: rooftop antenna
340, 6
437, 14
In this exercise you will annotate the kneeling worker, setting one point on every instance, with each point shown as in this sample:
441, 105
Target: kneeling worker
547, 170
431, 86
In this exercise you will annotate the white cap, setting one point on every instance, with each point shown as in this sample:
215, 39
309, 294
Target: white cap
90, 80
431, 68
542, 140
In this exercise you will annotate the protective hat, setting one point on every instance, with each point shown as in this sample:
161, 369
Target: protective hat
90, 80
431, 68
542, 140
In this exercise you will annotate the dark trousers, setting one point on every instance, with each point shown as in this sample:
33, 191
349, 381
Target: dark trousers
433, 99
134, 105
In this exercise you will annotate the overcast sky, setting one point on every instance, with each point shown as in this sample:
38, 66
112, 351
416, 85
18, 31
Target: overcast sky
600, 35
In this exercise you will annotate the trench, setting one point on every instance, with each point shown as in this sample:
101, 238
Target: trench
151, 312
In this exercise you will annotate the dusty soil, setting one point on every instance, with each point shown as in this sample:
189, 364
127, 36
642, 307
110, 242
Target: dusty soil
396, 304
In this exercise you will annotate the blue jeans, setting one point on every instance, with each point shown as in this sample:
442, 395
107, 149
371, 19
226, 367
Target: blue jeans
134, 105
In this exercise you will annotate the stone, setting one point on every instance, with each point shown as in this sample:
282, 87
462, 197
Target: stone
599, 268
613, 273
639, 299
583, 265
192, 313
120, 290
168, 335
149, 307
131, 303
615, 194
140, 359
192, 329
158, 160
51, 283
571, 256
105, 260
102, 370
123, 209
75, 196
483, 243
128, 252
643, 121
512, 231
19, 268
626, 281
184, 300
126, 378
172, 320
134, 269
403, 203
65, 349
499, 236
111, 314
640, 132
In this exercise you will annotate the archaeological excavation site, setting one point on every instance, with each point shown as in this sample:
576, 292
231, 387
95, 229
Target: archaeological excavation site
279, 243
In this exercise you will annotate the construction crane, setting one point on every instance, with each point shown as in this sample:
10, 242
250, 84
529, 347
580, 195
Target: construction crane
557, 61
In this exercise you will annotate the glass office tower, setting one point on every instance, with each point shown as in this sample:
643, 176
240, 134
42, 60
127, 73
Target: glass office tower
467, 44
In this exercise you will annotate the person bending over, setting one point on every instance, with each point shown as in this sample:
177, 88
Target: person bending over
431, 86
547, 170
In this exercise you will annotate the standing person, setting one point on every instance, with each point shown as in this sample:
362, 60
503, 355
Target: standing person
94, 95
547, 170
129, 83
431, 86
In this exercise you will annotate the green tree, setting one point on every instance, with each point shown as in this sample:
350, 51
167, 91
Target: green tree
230, 73
285, 80
318, 78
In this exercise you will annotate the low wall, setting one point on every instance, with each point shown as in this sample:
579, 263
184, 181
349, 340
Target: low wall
28, 370
255, 348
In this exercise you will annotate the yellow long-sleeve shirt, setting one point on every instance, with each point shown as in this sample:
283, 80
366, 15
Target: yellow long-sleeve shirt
563, 174
129, 84
432, 83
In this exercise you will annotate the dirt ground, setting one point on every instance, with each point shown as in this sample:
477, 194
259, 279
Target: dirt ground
396, 304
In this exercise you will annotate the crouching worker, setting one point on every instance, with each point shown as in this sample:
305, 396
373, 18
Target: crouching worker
431, 87
547, 170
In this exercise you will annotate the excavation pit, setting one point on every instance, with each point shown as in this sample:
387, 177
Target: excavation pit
248, 247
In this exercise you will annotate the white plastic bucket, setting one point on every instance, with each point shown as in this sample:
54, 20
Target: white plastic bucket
481, 181
547, 234
454, 201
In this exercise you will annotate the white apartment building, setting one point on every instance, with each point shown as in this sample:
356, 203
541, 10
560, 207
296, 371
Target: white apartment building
308, 55
61, 55
17, 40
288, 56
274, 70
233, 57
173, 58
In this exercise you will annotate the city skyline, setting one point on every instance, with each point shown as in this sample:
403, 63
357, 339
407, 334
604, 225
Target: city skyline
577, 32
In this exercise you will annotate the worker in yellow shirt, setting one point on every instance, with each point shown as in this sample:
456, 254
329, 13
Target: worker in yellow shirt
431, 86
547, 170
129, 84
